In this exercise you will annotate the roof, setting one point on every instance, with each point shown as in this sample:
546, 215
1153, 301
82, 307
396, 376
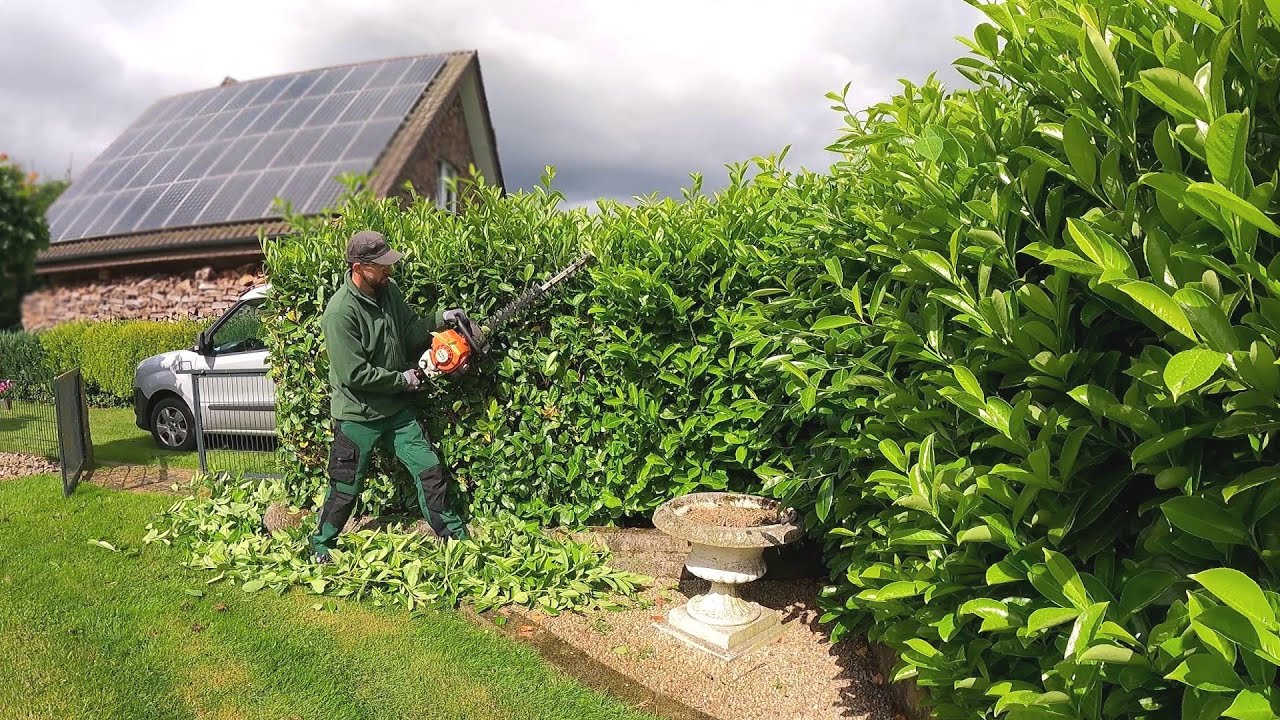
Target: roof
72, 248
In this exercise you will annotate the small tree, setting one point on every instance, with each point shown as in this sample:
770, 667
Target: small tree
23, 234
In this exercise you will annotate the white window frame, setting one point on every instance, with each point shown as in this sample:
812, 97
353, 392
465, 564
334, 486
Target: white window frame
446, 194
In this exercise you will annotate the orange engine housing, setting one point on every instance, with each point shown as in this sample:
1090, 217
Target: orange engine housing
450, 351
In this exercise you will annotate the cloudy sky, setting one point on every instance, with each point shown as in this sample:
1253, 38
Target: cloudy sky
623, 98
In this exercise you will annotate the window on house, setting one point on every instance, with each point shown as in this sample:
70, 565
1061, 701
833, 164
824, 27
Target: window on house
446, 191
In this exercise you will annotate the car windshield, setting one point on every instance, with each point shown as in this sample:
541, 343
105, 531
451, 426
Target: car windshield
241, 331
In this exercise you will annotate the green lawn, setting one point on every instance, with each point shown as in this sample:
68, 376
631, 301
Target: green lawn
32, 429
116, 439
90, 633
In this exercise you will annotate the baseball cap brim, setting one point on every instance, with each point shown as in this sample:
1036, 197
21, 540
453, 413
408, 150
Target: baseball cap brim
387, 258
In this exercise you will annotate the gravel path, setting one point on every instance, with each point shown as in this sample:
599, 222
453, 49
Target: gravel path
800, 675
14, 465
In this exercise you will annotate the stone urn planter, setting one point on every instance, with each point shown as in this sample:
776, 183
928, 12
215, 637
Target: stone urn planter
728, 533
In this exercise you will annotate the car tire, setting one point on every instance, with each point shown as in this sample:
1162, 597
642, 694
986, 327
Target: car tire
172, 425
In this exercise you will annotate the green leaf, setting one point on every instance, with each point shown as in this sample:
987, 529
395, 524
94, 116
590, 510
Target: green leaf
1242, 631
980, 533
1174, 92
1166, 442
1208, 319
1190, 369
1004, 572
1143, 589
1206, 671
900, 590
1085, 630
1050, 617
832, 322
826, 495
1235, 205
1101, 248
1236, 590
1196, 10
1102, 65
1225, 146
968, 381
995, 614
893, 454
253, 585
1166, 150
1205, 519
1159, 304
104, 544
1108, 653
1066, 578
918, 537
1253, 704
1249, 480
1080, 151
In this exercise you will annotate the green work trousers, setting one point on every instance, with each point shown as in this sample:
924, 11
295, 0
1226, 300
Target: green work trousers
353, 443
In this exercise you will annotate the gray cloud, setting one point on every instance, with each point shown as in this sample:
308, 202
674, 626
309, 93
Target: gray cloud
622, 102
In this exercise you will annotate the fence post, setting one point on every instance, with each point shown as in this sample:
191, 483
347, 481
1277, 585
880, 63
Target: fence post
86, 437
199, 429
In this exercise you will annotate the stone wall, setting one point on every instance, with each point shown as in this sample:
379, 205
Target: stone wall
159, 296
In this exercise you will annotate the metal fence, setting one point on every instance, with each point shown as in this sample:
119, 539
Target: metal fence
235, 421
74, 441
49, 418
28, 420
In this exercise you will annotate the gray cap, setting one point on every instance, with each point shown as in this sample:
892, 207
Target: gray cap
369, 246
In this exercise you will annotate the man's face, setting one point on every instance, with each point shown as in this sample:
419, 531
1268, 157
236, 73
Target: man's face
374, 275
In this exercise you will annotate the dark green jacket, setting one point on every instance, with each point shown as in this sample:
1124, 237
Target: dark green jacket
371, 342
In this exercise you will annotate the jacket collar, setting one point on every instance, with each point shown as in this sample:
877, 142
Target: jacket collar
357, 293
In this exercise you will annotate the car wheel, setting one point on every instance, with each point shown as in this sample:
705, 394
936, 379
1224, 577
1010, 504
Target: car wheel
172, 425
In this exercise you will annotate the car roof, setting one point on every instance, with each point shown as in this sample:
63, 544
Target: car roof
256, 292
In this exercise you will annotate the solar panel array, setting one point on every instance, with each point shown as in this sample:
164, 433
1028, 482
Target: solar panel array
224, 154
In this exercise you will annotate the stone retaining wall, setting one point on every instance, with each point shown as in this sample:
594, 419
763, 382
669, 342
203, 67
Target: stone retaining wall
159, 296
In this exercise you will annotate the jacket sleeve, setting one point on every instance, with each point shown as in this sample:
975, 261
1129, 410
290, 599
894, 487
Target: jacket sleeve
350, 361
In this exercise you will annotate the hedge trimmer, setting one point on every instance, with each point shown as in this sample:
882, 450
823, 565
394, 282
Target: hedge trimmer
454, 349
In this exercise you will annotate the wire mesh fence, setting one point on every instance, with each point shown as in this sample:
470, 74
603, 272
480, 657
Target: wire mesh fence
75, 444
235, 419
28, 419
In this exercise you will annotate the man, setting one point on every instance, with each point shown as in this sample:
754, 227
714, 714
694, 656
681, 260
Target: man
373, 340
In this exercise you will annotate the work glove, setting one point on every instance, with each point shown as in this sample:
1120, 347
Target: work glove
456, 317
414, 379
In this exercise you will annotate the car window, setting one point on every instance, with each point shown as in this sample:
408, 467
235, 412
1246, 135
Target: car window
241, 331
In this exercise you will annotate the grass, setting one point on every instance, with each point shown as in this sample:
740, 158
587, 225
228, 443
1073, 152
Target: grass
90, 633
28, 428
32, 429
116, 439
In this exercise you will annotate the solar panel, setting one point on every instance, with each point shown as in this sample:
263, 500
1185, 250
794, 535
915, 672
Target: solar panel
223, 154
190, 208
333, 144
370, 140
168, 202
258, 200
228, 196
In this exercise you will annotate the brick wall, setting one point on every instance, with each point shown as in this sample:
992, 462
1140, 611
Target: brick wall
158, 296
445, 139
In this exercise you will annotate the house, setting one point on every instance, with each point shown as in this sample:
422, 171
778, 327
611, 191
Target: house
165, 223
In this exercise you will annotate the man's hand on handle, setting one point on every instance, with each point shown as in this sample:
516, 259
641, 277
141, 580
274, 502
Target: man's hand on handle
456, 317
414, 378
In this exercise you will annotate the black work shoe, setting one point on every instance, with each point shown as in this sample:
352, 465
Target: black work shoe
322, 559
